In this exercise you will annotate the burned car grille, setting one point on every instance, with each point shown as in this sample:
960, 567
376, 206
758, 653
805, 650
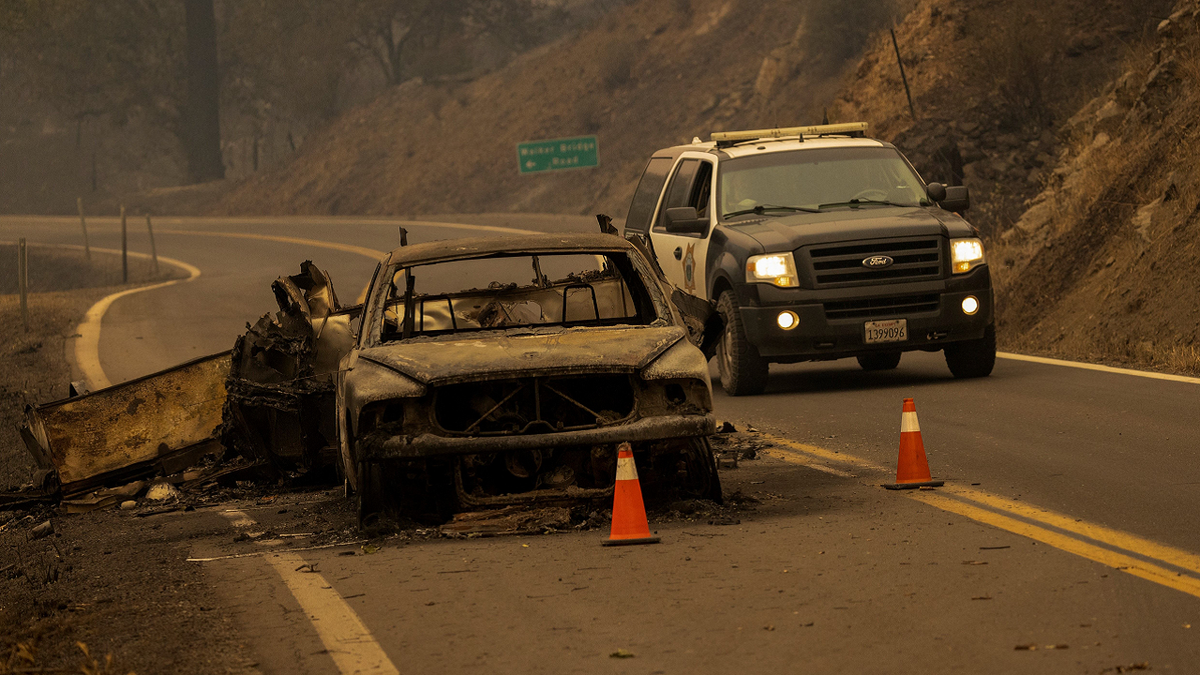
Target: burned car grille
842, 264
532, 405
871, 307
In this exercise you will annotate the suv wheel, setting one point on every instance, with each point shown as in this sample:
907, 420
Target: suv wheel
743, 371
885, 361
973, 358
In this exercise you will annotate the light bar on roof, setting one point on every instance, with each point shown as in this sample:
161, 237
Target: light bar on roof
815, 130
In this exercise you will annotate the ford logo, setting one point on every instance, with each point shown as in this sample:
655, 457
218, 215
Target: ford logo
878, 261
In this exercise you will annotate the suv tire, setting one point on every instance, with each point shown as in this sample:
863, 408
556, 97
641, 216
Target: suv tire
743, 371
973, 358
884, 361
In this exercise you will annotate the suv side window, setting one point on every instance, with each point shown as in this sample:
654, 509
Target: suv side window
645, 198
702, 189
680, 191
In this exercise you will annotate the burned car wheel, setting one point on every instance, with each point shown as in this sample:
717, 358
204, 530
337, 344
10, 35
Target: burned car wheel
418, 491
370, 494
702, 479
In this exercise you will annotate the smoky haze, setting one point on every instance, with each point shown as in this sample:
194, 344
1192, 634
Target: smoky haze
109, 99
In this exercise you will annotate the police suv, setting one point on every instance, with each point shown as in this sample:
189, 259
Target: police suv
817, 243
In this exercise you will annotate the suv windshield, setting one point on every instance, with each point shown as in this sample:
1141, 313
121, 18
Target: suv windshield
811, 179
514, 291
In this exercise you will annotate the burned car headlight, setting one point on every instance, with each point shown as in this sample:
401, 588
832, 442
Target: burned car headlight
966, 254
778, 269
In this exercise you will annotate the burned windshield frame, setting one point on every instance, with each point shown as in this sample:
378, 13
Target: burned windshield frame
402, 311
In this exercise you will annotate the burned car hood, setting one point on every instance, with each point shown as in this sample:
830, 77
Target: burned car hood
486, 356
870, 222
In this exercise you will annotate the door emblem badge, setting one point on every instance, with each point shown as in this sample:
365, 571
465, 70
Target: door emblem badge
689, 269
878, 262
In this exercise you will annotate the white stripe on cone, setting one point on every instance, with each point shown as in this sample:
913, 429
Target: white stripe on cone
908, 422
626, 470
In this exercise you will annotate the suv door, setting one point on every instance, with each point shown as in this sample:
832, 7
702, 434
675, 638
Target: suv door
682, 255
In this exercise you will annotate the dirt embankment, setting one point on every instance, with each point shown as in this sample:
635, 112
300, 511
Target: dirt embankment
1100, 267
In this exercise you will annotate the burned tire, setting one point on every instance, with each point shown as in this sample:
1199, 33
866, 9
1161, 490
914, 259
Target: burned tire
884, 361
417, 491
973, 358
743, 370
370, 494
703, 481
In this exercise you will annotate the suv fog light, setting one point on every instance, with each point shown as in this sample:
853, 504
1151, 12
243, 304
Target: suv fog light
787, 320
970, 305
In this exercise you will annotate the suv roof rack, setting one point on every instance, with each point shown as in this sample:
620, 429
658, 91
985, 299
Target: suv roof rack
852, 129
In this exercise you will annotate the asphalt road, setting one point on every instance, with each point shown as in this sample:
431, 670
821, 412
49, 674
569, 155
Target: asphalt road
876, 581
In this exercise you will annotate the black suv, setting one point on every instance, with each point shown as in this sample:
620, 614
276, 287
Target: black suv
817, 243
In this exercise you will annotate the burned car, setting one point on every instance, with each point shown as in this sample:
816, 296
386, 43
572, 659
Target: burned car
493, 372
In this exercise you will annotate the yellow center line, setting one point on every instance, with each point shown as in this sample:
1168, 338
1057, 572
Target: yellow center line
1114, 559
317, 243
982, 507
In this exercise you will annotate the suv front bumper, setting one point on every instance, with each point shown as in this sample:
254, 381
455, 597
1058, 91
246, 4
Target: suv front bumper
818, 337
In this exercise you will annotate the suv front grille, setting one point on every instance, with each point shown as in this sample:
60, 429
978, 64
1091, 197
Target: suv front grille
872, 307
532, 405
842, 264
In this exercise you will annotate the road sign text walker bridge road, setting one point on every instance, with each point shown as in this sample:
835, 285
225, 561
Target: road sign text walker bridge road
559, 153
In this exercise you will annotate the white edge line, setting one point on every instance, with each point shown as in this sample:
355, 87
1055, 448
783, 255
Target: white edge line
346, 638
1099, 368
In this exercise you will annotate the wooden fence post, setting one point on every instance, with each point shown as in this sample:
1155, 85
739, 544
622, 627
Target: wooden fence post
87, 250
124, 249
23, 280
153, 248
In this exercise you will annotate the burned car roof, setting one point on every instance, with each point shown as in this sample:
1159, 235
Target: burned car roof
452, 249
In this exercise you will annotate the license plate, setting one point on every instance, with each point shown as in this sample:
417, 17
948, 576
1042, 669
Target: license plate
892, 330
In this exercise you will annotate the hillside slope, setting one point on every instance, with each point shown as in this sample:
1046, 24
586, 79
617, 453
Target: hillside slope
648, 75
1101, 266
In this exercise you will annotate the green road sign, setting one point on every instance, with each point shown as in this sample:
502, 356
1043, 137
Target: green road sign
560, 153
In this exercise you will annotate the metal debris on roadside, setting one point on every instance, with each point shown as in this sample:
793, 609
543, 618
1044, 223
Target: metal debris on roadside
43, 530
621, 654
510, 520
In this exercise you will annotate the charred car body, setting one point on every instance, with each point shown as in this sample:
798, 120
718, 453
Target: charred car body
501, 371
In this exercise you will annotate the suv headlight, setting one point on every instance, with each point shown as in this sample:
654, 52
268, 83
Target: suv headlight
778, 269
965, 254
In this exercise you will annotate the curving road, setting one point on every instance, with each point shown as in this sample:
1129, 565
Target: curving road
1086, 480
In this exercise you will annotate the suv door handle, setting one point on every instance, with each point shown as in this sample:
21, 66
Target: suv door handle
678, 253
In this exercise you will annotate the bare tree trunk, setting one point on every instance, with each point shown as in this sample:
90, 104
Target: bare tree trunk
201, 132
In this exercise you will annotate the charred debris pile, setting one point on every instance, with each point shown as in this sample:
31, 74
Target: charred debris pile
260, 414
259, 417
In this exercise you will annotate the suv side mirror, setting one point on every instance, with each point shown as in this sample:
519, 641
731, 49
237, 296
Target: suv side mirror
957, 199
685, 220
936, 192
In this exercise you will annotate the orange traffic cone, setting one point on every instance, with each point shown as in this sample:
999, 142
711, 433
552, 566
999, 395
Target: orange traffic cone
629, 524
912, 468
